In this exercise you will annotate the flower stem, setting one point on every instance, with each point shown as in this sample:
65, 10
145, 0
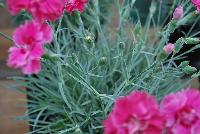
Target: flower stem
6, 36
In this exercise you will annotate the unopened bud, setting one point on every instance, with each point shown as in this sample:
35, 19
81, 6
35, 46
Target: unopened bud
77, 131
102, 61
89, 39
178, 13
168, 49
192, 40
121, 45
189, 70
183, 64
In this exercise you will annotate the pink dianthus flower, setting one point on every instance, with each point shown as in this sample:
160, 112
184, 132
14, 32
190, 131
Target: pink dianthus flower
76, 5
134, 114
196, 3
28, 49
182, 112
15, 6
42, 10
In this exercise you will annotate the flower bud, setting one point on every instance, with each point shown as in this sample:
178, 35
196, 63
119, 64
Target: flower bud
121, 45
184, 64
192, 40
189, 70
89, 39
102, 61
77, 131
178, 13
169, 48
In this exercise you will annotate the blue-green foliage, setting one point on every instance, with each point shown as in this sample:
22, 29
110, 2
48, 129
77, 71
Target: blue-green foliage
96, 57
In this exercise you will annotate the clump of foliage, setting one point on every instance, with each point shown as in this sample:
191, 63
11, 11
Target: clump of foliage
98, 56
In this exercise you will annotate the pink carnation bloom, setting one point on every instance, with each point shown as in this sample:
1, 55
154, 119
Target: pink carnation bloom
76, 5
33, 66
28, 49
196, 3
15, 6
21, 58
33, 32
42, 10
182, 112
134, 114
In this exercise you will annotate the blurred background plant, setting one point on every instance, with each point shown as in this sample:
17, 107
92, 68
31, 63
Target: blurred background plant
1, 4
114, 47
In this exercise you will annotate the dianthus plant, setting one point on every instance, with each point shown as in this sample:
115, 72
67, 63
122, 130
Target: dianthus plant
78, 56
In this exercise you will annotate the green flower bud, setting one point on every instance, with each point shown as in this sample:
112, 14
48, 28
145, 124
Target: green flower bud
89, 39
50, 56
121, 45
189, 70
192, 40
183, 64
102, 61
77, 131
172, 26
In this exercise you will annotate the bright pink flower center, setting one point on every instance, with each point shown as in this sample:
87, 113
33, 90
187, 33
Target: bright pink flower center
22, 51
135, 126
30, 40
186, 116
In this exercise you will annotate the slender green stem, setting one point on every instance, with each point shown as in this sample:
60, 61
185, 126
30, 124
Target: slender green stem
6, 36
